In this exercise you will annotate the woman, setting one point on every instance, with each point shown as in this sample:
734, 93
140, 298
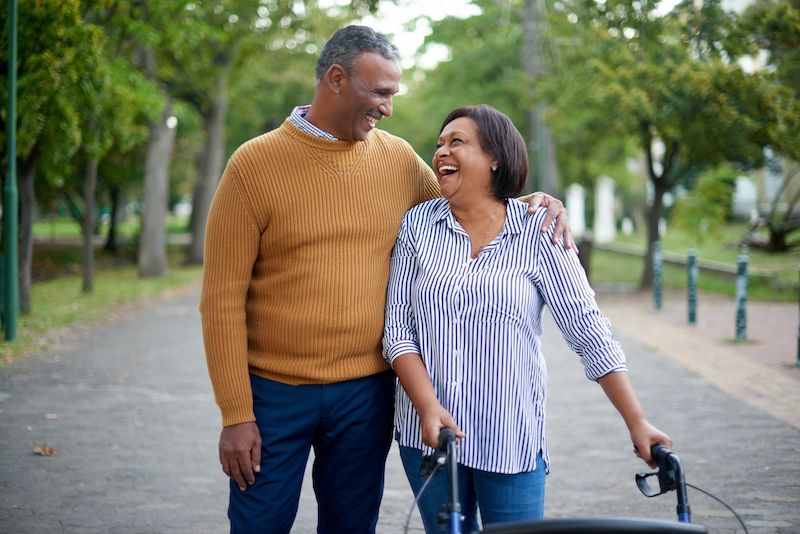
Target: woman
470, 275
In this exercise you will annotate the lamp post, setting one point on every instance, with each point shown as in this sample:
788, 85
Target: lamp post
10, 193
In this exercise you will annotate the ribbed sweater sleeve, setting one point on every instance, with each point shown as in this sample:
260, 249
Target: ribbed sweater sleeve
298, 243
231, 250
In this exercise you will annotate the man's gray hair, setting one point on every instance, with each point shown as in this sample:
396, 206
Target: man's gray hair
347, 44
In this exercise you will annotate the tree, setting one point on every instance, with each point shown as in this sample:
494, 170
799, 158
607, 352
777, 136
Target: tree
544, 158
775, 27
484, 65
668, 81
119, 108
57, 54
151, 31
200, 76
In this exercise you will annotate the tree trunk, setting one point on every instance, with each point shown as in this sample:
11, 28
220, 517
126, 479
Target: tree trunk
153, 242
89, 187
777, 241
111, 240
656, 211
663, 182
26, 171
541, 146
210, 171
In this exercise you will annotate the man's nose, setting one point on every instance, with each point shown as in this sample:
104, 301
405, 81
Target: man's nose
386, 107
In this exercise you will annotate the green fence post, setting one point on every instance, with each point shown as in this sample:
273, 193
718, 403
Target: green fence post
658, 262
692, 272
741, 296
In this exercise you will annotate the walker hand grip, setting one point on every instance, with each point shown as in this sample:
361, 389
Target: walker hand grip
446, 435
433, 463
667, 478
660, 453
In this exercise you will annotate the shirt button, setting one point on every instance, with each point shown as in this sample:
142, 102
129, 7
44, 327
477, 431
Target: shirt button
454, 383
456, 353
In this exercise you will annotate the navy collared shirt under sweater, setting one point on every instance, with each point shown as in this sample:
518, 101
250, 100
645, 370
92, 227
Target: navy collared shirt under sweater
476, 324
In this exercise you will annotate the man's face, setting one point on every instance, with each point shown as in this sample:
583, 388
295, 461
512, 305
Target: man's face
366, 96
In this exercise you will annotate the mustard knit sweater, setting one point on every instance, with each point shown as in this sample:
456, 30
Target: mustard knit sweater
297, 251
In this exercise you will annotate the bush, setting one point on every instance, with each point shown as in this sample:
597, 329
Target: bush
704, 210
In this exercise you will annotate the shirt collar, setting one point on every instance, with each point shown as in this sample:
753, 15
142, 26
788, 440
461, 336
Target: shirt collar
515, 215
298, 118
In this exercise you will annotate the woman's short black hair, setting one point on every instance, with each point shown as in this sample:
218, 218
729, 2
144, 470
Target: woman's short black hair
502, 141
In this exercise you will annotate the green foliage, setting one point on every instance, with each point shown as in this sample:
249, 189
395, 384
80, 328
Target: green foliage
704, 210
775, 27
654, 77
57, 57
265, 92
189, 139
484, 66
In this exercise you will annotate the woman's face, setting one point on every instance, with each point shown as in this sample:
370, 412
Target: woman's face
462, 167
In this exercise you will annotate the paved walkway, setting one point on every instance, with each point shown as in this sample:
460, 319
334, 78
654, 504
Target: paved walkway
128, 407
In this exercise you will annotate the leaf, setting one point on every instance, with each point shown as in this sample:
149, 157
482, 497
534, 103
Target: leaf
44, 450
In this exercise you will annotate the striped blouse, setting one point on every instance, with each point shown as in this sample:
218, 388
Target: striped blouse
476, 324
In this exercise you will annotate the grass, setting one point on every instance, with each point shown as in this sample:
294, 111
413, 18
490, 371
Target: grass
781, 285
58, 303
67, 227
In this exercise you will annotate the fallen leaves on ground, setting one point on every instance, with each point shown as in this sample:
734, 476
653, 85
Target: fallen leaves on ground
44, 450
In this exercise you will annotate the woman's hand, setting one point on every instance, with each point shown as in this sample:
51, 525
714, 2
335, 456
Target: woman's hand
433, 419
644, 436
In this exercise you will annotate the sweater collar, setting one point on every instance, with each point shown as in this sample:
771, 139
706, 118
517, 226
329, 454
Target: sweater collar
324, 144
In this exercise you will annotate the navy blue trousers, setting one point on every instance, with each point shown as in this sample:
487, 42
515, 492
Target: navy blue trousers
349, 425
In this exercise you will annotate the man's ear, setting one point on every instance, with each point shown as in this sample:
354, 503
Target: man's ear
335, 78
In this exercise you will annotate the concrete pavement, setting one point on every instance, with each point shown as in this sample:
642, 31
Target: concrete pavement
128, 407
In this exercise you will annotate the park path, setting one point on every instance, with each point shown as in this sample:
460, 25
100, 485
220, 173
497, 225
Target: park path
128, 407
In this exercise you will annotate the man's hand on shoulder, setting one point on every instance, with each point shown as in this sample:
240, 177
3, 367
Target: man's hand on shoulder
240, 453
555, 212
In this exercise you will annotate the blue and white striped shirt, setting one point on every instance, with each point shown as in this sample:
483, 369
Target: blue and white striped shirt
476, 324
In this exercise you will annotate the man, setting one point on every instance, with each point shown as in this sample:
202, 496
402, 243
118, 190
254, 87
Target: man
294, 292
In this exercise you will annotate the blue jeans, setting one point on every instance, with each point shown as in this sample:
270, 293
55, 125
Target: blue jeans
501, 498
349, 424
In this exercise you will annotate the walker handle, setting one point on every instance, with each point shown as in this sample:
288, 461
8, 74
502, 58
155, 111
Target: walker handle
670, 477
